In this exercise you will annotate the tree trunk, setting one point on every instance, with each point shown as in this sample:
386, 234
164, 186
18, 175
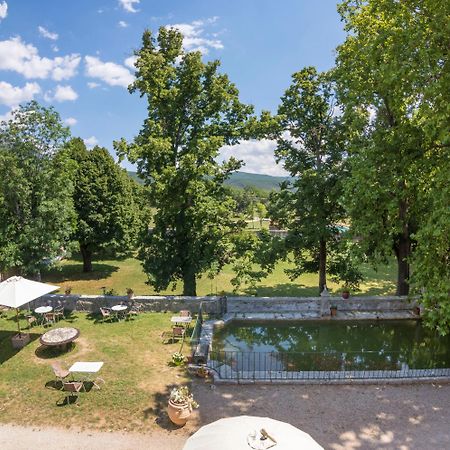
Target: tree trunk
402, 252
322, 265
189, 281
86, 253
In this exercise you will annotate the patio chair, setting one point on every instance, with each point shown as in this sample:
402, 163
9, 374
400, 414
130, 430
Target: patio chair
176, 334
133, 310
72, 389
31, 320
59, 313
59, 371
106, 314
49, 318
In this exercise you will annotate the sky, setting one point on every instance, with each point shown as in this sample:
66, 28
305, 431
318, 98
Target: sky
77, 57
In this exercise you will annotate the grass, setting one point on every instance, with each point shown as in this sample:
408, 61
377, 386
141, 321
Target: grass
121, 274
137, 382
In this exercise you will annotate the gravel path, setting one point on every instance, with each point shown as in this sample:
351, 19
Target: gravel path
404, 417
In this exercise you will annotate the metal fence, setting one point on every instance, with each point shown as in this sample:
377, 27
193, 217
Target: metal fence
197, 330
270, 366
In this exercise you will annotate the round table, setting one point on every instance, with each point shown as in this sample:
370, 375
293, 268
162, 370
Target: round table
119, 308
43, 309
59, 337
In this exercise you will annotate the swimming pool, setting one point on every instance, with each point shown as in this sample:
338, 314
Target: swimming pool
298, 349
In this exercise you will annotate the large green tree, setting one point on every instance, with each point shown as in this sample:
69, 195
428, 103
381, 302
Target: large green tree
193, 110
36, 208
106, 211
393, 79
311, 145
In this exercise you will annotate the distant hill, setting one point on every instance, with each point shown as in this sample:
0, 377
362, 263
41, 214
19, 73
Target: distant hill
243, 179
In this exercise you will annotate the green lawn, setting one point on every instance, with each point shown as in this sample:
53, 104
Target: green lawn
136, 371
121, 274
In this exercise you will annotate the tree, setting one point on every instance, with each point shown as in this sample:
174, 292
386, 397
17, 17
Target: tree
393, 80
107, 217
193, 110
36, 208
310, 142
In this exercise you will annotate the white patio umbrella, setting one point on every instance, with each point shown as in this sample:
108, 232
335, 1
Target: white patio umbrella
16, 291
244, 432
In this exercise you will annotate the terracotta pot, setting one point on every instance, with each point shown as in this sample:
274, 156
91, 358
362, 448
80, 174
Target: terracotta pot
333, 311
179, 412
345, 294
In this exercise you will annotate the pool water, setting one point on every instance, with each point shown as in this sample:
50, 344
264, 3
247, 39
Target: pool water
333, 345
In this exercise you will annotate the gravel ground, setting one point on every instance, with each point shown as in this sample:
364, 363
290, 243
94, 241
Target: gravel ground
403, 417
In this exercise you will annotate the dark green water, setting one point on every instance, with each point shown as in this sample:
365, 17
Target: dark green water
333, 345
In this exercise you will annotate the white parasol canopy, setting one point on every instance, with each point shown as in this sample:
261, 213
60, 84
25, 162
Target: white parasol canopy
244, 433
16, 291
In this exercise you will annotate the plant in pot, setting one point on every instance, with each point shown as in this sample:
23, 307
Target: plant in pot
333, 310
181, 404
130, 293
345, 292
178, 358
68, 290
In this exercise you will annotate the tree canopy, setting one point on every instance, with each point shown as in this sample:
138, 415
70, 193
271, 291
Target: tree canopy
106, 211
36, 207
311, 145
193, 110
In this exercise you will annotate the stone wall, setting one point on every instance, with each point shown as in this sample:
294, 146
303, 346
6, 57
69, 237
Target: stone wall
92, 303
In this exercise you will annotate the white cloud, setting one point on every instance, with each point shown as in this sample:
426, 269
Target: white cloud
64, 93
91, 141
71, 121
129, 62
55, 48
127, 5
8, 115
92, 85
258, 156
12, 96
122, 24
47, 34
3, 10
23, 58
109, 72
194, 37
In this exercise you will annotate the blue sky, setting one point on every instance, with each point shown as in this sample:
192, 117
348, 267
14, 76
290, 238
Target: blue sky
76, 56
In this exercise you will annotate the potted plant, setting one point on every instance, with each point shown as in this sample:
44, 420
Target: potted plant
202, 372
333, 310
130, 293
178, 358
345, 293
181, 404
68, 290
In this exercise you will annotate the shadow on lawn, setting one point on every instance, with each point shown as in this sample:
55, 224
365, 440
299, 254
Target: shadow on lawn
6, 349
160, 410
74, 272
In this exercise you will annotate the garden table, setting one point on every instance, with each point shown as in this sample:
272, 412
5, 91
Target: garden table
119, 310
43, 310
59, 337
181, 320
88, 368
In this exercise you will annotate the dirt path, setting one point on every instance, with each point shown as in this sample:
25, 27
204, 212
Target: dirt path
405, 417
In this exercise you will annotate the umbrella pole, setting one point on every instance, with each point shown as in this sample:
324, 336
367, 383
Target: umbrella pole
18, 323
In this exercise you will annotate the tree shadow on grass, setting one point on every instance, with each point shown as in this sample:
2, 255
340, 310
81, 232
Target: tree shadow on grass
6, 349
74, 272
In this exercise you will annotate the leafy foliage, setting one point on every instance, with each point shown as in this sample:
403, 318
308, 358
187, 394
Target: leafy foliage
107, 214
311, 145
193, 110
36, 209
392, 73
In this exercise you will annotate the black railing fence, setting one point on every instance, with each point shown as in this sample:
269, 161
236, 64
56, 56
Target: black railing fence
234, 365
197, 330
